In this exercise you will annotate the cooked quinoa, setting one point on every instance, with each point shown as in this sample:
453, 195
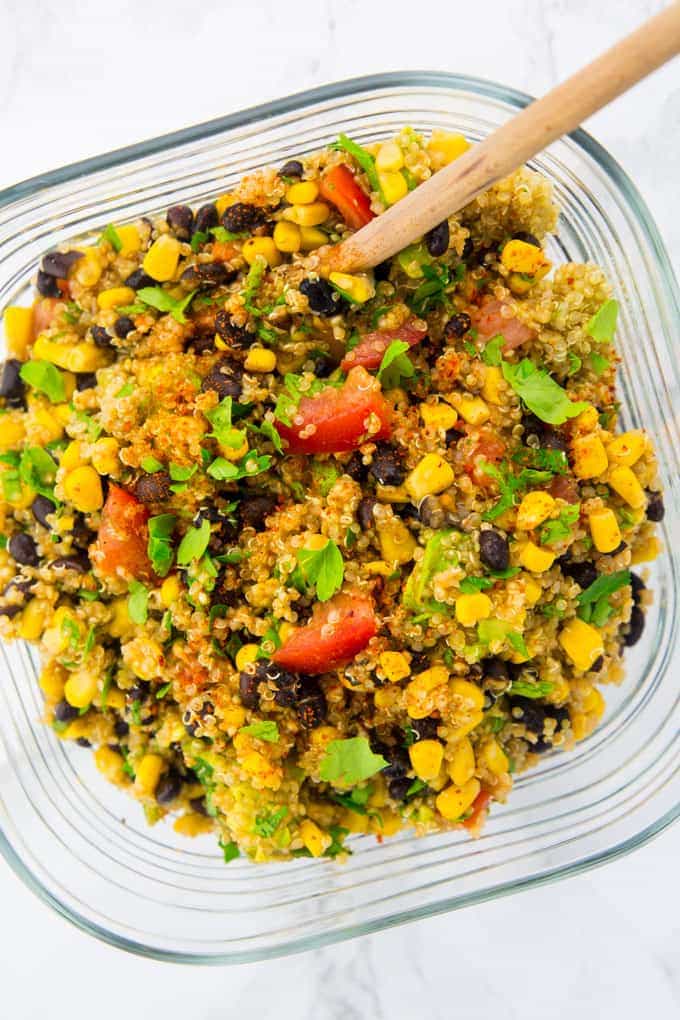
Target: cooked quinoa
310, 556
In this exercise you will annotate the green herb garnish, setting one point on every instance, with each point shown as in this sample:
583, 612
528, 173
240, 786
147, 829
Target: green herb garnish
491, 355
111, 235
159, 546
159, 299
364, 159
138, 602
324, 568
602, 326
265, 730
267, 822
194, 544
348, 762
46, 378
395, 365
541, 394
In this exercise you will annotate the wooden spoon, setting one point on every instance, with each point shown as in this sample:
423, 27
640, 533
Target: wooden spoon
530, 131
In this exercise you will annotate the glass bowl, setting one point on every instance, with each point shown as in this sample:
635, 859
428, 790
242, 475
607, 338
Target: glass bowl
84, 848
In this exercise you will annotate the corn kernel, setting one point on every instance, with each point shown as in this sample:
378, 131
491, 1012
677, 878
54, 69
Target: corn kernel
438, 416
52, 680
532, 590
626, 449
33, 619
129, 238
492, 757
462, 765
394, 665
161, 260
387, 823
51, 428
285, 631
358, 287
302, 193
456, 733
581, 725
115, 699
418, 702
472, 409
389, 157
147, 773
535, 508
261, 247
83, 488
222, 203
397, 544
492, 385
110, 764
312, 215
426, 758
393, 186
62, 412
469, 693
314, 839
522, 257
470, 609
443, 148
120, 623
75, 357
88, 269
592, 700
233, 718
115, 296
287, 237
192, 825
80, 688
245, 655
18, 323
12, 432
170, 590
259, 359
454, 801
582, 643
378, 567
625, 483
311, 238
534, 558
105, 456
589, 456
432, 475
646, 550
604, 530
587, 420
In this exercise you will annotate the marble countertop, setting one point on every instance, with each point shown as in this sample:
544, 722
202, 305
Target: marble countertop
83, 77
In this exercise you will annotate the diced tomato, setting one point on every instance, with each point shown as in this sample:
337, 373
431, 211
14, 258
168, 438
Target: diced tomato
43, 314
337, 631
224, 251
370, 349
488, 448
479, 811
120, 547
339, 186
338, 420
489, 321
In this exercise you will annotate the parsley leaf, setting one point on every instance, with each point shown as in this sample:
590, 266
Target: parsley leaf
127, 390
528, 690
159, 299
199, 238
265, 730
162, 691
347, 762
395, 365
151, 465
46, 378
223, 431
541, 394
37, 470
224, 470
323, 568
138, 602
602, 326
594, 604
194, 544
364, 159
559, 530
491, 355
432, 291
267, 822
598, 363
470, 585
111, 235
223, 235
180, 475
574, 363
230, 850
159, 546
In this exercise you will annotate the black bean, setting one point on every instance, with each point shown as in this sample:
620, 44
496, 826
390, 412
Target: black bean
457, 326
253, 510
47, 285
468, 249
399, 762
139, 279
63, 712
81, 534
123, 326
356, 468
79, 562
584, 574
386, 465
208, 274
598, 664
59, 263
494, 550
169, 787
153, 488
23, 549
424, 729
139, 691
431, 513
637, 586
524, 235
634, 628
12, 386
14, 588
495, 668
206, 218
248, 688
323, 299
420, 661
311, 708
225, 378
365, 512
293, 168
655, 508
230, 332
121, 728
180, 219
452, 436
533, 714
398, 788
83, 742
437, 239
382, 270
243, 218
323, 366
40, 508
101, 336
407, 511
85, 381
552, 439
198, 805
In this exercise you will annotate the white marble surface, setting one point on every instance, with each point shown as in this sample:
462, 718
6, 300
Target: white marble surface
80, 77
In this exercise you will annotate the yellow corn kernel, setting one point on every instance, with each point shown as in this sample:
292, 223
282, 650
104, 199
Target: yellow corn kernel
522, 257
233, 718
245, 655
587, 420
170, 590
302, 193
115, 698
110, 764
76, 729
80, 688
592, 700
12, 432
387, 823
261, 247
492, 385
535, 508
235, 452
52, 680
470, 609
354, 823
359, 287
62, 412
160, 262
311, 238
322, 736
259, 359
492, 757
394, 665
473, 409
313, 837
444, 148
626, 449
115, 296
51, 428
33, 619
519, 284
471, 694
397, 544
389, 157
625, 483
532, 590
147, 773
105, 456
418, 691
589, 456
462, 765
192, 825
581, 725
285, 631
120, 623
18, 323
55, 638
454, 801
222, 203
393, 185
646, 550
130, 240
438, 416
604, 530
378, 567
88, 269
76, 357
383, 697
582, 643
426, 758
534, 558
83, 488
312, 215
432, 475
287, 237
456, 733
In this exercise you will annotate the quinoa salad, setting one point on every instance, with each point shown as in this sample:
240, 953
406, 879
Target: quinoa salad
305, 554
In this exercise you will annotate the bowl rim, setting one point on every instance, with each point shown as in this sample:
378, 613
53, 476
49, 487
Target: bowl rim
264, 111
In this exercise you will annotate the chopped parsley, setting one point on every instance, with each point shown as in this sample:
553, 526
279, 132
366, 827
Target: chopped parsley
223, 430
598, 363
541, 394
602, 326
265, 730
194, 544
159, 299
138, 602
46, 378
180, 475
432, 292
559, 530
111, 235
162, 691
151, 465
199, 238
540, 689
229, 850
267, 822
491, 355
324, 568
509, 485
470, 585
224, 470
348, 762
159, 546
127, 390
395, 365
364, 159
593, 603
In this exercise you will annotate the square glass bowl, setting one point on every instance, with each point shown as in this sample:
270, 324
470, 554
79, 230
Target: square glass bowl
83, 846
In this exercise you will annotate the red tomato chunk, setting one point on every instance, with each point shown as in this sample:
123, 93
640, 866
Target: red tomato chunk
121, 544
372, 346
338, 631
